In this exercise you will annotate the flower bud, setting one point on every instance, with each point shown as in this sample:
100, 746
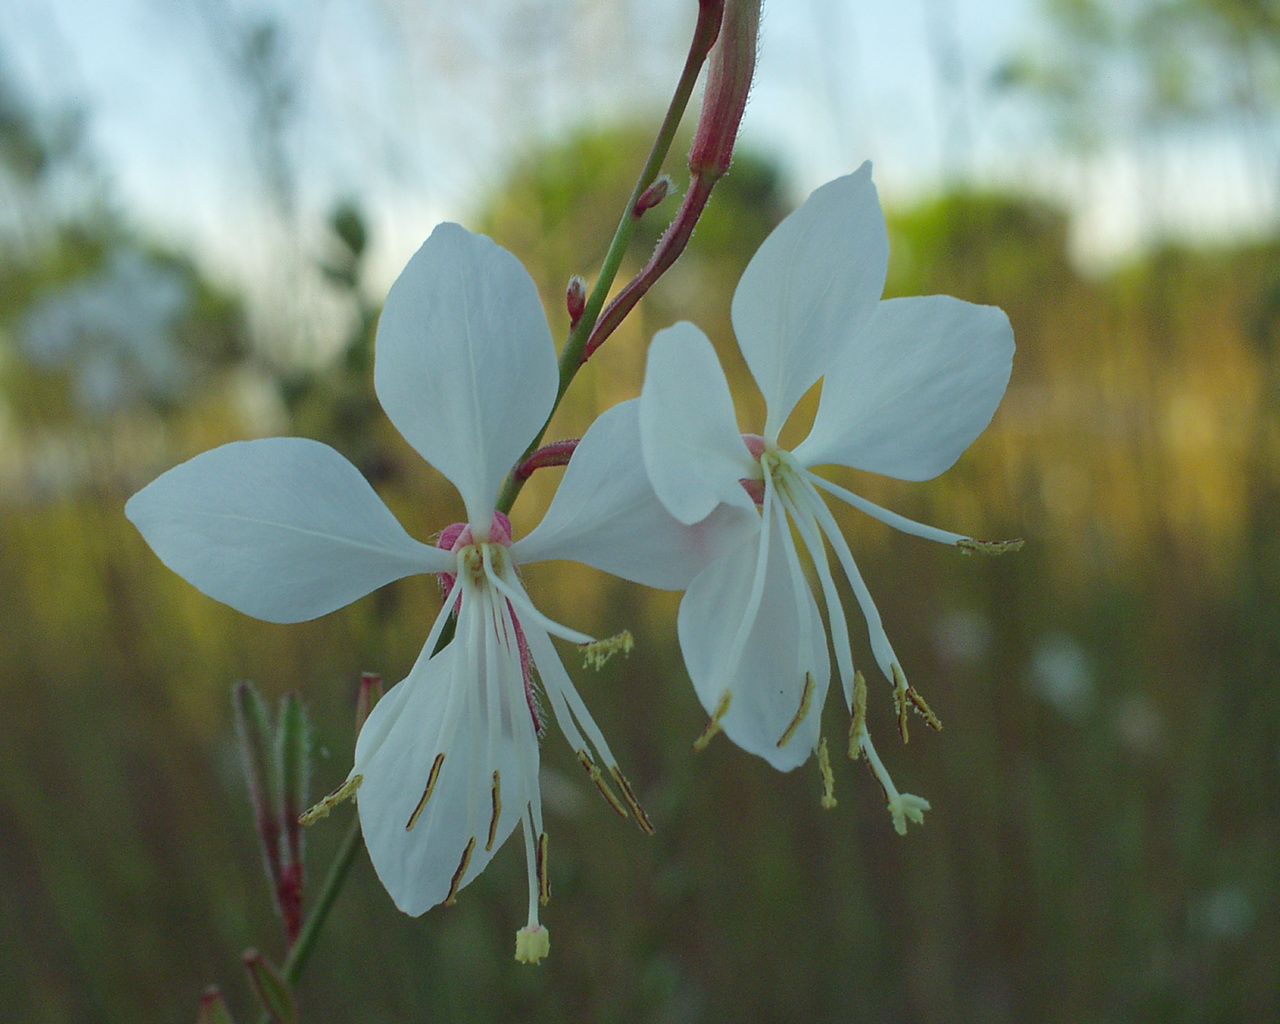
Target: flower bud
653, 196
733, 66
575, 299
213, 1008
253, 727
271, 989
369, 695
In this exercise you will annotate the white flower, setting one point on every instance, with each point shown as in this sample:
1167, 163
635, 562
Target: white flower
908, 385
286, 529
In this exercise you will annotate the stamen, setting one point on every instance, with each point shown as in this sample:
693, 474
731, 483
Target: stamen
799, 505
923, 710
880, 646
806, 702
990, 548
593, 771
497, 810
528, 613
321, 810
544, 880
713, 725
900, 702
884, 515
858, 724
596, 655
432, 777
629, 795
456, 882
828, 800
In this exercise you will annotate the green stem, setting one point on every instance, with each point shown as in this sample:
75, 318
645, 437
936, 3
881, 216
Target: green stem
338, 871
571, 358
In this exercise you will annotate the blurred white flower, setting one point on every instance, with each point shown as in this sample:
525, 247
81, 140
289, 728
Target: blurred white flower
908, 385
1062, 676
286, 529
113, 332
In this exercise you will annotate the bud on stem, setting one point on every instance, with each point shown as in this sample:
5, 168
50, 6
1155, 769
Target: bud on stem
575, 299
733, 67
213, 1008
253, 724
271, 989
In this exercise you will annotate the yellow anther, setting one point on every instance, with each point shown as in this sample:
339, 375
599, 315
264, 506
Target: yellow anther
713, 726
828, 777
629, 795
432, 778
593, 770
858, 724
991, 548
923, 710
597, 654
321, 810
497, 810
806, 701
456, 882
544, 879
900, 702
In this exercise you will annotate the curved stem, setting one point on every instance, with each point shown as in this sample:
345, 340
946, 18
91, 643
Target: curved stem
704, 36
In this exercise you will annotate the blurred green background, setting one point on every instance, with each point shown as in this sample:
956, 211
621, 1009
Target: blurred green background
1104, 844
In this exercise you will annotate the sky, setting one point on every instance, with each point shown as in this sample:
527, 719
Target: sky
418, 108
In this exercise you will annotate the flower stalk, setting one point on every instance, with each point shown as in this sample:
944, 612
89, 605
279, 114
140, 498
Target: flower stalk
705, 32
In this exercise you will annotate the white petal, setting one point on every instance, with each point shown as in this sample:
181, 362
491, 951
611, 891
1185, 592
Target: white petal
465, 366
606, 514
809, 287
693, 451
764, 681
921, 382
417, 866
284, 529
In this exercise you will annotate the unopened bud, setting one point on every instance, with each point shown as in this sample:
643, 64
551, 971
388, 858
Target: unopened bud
213, 1008
257, 753
733, 66
271, 989
369, 695
654, 195
575, 299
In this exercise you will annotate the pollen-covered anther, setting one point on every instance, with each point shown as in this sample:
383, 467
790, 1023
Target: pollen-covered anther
629, 795
900, 701
806, 702
597, 654
858, 724
593, 770
455, 883
432, 777
544, 879
533, 943
828, 800
713, 725
922, 709
321, 810
990, 548
497, 811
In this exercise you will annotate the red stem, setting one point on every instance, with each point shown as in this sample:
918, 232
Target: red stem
668, 251
558, 453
